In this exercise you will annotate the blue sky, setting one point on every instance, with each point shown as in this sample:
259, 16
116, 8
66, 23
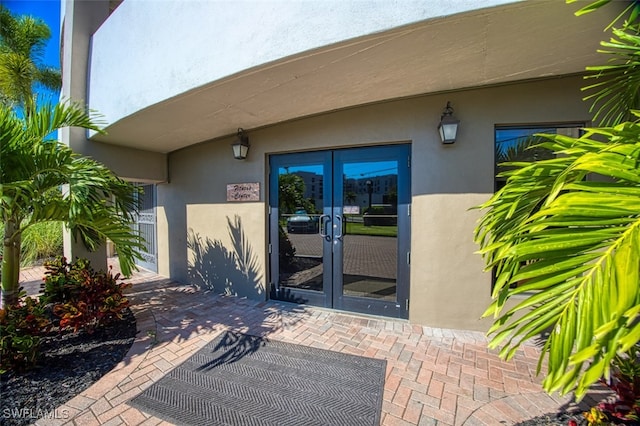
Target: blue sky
49, 11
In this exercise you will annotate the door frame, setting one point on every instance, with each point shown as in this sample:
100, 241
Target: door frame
301, 296
332, 296
399, 308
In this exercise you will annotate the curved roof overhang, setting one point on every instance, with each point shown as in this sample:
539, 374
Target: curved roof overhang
520, 41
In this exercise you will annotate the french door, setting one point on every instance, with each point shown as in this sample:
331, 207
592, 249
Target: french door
340, 229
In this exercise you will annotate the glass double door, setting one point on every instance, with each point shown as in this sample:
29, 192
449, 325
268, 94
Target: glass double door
340, 229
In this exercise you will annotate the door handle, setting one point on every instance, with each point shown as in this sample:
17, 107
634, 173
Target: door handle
339, 219
322, 226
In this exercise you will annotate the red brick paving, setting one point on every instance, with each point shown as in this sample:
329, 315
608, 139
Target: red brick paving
434, 376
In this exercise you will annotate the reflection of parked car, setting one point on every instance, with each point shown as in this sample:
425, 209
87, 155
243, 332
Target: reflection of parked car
302, 222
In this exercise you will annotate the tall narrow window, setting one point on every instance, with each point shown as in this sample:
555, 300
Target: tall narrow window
518, 143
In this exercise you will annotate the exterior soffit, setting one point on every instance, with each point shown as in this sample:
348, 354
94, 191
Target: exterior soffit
523, 41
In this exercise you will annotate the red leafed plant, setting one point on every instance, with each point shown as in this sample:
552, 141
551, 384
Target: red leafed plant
625, 382
82, 297
72, 315
21, 325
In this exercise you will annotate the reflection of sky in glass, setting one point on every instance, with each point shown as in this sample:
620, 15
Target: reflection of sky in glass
378, 168
506, 137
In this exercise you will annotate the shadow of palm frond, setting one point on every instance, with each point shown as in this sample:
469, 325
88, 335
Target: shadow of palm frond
247, 260
231, 271
232, 347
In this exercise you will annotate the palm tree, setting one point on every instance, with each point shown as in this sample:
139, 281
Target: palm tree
565, 232
95, 204
22, 43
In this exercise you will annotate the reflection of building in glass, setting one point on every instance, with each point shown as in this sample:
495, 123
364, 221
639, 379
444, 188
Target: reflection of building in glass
383, 190
313, 187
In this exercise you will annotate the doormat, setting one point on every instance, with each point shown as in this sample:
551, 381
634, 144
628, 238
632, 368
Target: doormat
239, 379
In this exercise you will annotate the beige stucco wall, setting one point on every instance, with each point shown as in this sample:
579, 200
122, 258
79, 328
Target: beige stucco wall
230, 238
448, 287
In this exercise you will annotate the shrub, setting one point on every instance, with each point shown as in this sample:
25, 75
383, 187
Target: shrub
81, 297
21, 324
40, 241
625, 382
63, 280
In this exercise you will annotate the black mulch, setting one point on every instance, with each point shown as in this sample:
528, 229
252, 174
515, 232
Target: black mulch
71, 363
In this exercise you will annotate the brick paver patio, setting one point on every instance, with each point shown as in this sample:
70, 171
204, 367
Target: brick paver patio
434, 376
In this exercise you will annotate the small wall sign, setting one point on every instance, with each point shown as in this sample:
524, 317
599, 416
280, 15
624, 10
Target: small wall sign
243, 191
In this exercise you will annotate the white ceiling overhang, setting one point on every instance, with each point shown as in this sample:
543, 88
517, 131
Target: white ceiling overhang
521, 41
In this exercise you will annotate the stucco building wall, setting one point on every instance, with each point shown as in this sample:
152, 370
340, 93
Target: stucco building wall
448, 286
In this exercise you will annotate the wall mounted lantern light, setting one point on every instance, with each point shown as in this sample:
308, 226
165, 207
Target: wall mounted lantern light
448, 127
241, 145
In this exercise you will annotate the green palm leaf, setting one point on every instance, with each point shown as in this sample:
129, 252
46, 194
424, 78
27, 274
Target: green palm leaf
616, 86
568, 229
96, 205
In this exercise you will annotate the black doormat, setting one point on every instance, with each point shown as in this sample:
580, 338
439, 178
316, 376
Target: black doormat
238, 379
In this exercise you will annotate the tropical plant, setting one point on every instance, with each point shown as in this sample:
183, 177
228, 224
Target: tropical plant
63, 280
625, 383
564, 233
22, 43
523, 148
616, 87
83, 298
575, 242
21, 325
95, 204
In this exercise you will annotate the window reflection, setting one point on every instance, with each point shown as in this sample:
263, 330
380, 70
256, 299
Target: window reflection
300, 201
518, 144
370, 244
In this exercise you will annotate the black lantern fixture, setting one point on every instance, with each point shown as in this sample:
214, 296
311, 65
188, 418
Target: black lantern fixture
448, 127
241, 145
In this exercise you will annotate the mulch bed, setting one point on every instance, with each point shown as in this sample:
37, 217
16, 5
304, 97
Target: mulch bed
71, 363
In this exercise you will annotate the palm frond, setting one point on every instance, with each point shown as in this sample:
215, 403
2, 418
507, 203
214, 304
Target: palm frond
616, 86
632, 11
95, 205
17, 74
49, 77
575, 241
22, 44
